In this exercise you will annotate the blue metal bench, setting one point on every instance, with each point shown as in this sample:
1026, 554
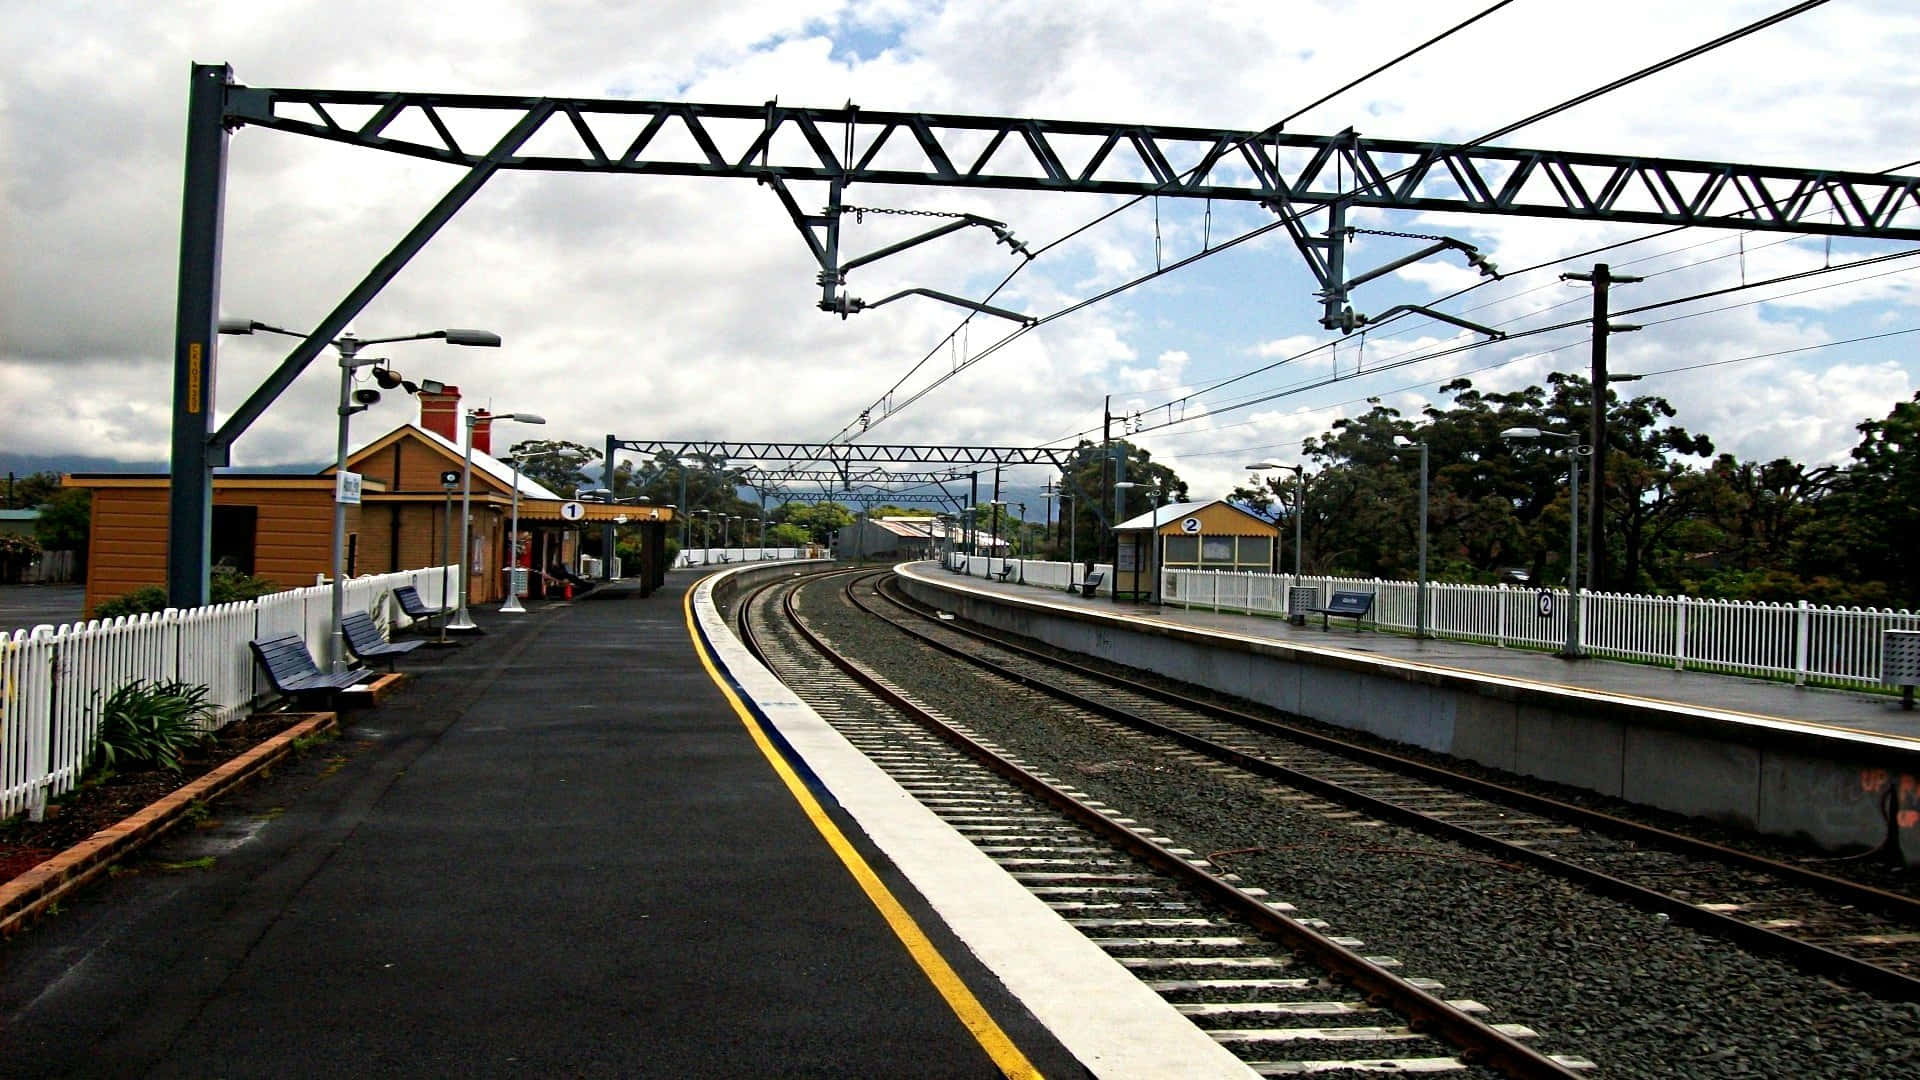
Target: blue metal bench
414, 608
1347, 605
291, 670
365, 642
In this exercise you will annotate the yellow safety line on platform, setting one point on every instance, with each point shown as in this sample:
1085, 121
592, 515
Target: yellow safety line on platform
959, 998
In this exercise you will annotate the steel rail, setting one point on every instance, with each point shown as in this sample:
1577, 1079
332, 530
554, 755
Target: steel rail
1477, 1042
1815, 957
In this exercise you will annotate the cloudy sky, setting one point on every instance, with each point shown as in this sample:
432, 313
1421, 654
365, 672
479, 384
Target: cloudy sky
683, 308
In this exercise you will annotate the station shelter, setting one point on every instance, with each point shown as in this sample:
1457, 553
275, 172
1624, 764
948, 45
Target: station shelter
279, 526
1188, 536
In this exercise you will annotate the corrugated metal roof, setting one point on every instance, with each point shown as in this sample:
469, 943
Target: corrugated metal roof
492, 466
1169, 512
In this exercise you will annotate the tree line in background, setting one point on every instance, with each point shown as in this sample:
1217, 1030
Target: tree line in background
1679, 518
65, 516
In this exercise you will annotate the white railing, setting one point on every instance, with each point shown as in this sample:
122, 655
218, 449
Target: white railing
717, 556
53, 679
1803, 642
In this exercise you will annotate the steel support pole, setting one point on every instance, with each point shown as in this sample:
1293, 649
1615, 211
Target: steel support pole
973, 526
1572, 650
461, 619
1073, 530
993, 538
1420, 624
349, 348
607, 529
196, 323
446, 539
513, 605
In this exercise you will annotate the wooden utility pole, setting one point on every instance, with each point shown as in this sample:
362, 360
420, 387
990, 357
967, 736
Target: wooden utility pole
1601, 278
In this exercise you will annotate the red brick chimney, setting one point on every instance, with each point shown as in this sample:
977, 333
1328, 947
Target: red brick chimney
483, 431
440, 413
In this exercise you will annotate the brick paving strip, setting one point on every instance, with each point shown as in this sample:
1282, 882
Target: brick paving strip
26, 896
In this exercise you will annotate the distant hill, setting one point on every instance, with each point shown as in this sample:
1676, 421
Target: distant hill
23, 464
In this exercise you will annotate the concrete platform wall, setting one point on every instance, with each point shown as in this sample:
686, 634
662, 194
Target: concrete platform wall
1701, 764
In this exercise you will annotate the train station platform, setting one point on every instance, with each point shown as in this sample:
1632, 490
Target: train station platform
575, 846
1831, 765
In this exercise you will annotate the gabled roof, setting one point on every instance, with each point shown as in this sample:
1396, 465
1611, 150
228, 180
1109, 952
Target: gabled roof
1173, 512
483, 462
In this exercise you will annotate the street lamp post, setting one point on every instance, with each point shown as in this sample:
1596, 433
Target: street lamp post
1420, 620
513, 605
1572, 650
993, 536
463, 619
1073, 560
702, 515
1299, 508
349, 347
448, 481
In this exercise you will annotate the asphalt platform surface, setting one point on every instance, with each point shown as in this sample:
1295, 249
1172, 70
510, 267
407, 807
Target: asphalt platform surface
555, 852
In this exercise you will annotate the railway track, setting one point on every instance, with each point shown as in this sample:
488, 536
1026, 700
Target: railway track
1830, 926
1286, 992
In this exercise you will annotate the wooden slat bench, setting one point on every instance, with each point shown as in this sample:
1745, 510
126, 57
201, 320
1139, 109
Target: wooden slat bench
1347, 605
365, 642
291, 670
415, 608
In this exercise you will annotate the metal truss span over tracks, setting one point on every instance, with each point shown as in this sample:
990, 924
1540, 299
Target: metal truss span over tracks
845, 452
849, 145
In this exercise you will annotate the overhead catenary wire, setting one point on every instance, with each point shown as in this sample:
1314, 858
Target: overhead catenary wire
1136, 200
1404, 360
1617, 84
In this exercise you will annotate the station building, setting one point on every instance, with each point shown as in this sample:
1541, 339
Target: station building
279, 526
1213, 535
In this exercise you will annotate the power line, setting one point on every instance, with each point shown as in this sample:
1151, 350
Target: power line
1136, 200
1580, 99
1402, 361
1783, 352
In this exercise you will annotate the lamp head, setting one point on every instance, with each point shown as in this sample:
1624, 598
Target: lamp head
485, 339
1521, 433
521, 417
236, 326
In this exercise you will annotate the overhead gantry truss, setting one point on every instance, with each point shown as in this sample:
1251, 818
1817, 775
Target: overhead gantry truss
850, 145
1289, 173
836, 453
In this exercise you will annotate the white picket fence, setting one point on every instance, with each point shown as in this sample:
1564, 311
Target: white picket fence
53, 679
1836, 646
717, 556
1051, 575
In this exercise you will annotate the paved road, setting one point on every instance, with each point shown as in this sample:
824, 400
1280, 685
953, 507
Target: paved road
26, 606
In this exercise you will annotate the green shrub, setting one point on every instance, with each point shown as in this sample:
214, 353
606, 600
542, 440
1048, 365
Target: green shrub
143, 599
224, 586
150, 725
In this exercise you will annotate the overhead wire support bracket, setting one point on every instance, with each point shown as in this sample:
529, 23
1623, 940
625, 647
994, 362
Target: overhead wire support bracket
852, 304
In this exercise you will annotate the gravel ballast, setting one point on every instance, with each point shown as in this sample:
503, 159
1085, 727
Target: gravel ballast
1640, 995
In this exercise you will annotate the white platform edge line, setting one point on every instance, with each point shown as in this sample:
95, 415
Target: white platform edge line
1798, 727
1104, 1015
